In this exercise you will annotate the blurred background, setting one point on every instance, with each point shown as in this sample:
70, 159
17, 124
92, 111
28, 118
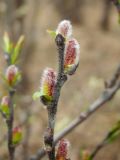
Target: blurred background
95, 26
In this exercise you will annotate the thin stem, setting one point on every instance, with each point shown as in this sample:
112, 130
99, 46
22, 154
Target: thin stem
114, 79
52, 108
97, 149
9, 122
106, 96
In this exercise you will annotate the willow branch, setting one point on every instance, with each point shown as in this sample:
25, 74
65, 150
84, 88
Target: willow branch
104, 98
9, 122
114, 79
52, 108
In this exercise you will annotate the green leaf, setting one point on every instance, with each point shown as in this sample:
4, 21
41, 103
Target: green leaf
6, 42
8, 45
5, 110
17, 137
4, 79
90, 158
85, 155
113, 137
52, 33
48, 98
3, 76
45, 99
36, 95
114, 133
17, 78
17, 50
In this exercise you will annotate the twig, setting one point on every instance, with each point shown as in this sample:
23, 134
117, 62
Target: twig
106, 96
105, 141
9, 122
52, 108
114, 79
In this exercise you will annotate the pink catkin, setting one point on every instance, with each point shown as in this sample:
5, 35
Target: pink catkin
64, 28
17, 130
72, 51
70, 54
62, 151
11, 73
5, 101
49, 80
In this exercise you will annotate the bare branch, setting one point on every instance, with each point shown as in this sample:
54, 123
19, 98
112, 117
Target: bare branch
114, 79
105, 97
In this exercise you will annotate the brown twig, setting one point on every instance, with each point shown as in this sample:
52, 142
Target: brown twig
114, 79
106, 96
9, 122
52, 108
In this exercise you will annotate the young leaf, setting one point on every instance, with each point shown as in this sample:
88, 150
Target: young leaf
17, 50
36, 95
5, 110
52, 33
17, 136
114, 136
85, 155
6, 42
114, 133
4, 79
17, 78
